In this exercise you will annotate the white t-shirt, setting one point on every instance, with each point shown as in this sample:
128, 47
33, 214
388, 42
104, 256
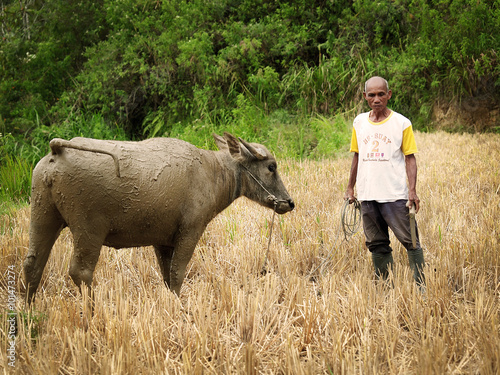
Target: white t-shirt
382, 147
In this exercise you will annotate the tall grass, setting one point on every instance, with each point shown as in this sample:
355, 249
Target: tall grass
15, 182
317, 311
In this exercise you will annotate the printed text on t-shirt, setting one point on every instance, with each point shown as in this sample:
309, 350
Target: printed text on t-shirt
377, 136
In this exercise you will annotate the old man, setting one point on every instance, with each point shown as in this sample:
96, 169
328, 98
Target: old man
384, 158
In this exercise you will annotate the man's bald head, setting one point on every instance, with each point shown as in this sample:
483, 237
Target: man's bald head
376, 81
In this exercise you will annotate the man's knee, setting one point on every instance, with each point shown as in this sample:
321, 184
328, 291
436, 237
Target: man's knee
379, 249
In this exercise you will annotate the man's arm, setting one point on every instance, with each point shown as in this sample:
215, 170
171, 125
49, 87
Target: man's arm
411, 172
349, 194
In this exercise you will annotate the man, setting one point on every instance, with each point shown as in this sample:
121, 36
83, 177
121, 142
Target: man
384, 148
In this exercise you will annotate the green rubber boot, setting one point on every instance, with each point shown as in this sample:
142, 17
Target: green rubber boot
417, 264
382, 262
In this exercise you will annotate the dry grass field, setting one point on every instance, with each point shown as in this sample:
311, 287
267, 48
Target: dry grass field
317, 311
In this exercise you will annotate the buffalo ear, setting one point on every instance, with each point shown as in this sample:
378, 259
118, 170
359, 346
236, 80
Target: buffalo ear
241, 150
234, 146
220, 142
257, 152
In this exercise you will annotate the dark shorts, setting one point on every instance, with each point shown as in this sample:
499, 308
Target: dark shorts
379, 217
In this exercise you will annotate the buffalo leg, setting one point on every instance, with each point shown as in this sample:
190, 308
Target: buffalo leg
164, 255
182, 255
46, 225
84, 259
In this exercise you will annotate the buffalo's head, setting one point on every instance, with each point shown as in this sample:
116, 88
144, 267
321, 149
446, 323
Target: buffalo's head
258, 169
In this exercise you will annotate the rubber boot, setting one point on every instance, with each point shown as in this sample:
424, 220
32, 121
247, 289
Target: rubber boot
417, 264
382, 262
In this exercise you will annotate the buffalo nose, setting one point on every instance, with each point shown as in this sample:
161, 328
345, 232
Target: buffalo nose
291, 203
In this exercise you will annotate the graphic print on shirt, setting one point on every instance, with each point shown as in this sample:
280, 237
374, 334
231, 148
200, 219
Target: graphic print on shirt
377, 147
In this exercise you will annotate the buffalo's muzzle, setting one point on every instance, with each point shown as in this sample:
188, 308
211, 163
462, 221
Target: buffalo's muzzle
285, 206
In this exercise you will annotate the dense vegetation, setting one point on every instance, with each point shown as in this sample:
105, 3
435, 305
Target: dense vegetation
287, 72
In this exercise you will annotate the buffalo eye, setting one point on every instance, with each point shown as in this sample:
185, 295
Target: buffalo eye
272, 168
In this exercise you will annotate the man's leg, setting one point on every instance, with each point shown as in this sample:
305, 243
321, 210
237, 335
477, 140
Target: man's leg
382, 262
377, 238
417, 263
397, 217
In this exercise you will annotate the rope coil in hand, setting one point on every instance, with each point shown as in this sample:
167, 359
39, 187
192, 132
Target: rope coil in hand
350, 218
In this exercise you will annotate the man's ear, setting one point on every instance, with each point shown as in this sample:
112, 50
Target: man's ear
220, 142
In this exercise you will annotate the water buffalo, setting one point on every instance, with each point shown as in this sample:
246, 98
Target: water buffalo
161, 192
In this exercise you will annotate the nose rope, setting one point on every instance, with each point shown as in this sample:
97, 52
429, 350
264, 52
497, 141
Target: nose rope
264, 270
273, 198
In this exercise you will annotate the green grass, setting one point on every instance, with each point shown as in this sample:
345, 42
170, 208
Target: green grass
315, 137
15, 185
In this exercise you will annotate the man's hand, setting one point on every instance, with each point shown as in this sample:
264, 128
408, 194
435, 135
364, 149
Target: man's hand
349, 195
413, 200
411, 171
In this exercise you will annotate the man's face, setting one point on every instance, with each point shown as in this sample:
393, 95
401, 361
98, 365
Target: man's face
377, 95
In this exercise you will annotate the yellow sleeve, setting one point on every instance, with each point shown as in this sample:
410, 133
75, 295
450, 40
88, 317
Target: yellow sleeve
409, 146
354, 142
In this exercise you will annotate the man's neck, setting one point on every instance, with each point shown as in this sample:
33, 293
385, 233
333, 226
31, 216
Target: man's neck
379, 116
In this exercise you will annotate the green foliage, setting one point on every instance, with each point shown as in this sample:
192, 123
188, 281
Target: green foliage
41, 47
33, 321
332, 135
150, 65
455, 40
15, 174
288, 73
78, 125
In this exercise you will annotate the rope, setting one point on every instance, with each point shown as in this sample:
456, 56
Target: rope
273, 198
350, 218
264, 270
270, 197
